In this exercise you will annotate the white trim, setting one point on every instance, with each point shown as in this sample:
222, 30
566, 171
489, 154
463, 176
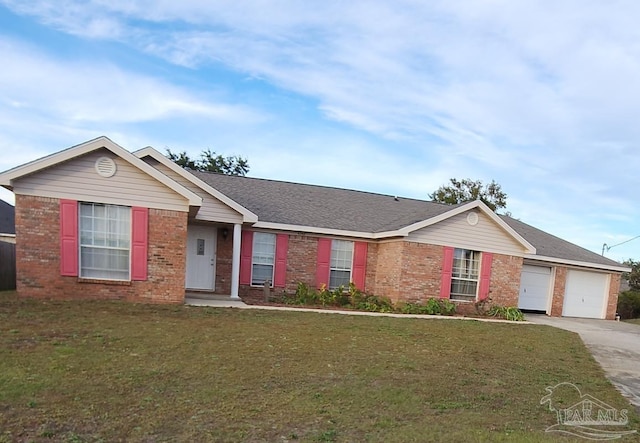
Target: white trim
235, 261
273, 265
248, 216
7, 177
333, 240
581, 264
314, 230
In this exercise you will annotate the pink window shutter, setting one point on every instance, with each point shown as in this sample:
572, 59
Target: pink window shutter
447, 271
246, 252
139, 243
323, 260
69, 238
280, 273
485, 275
359, 264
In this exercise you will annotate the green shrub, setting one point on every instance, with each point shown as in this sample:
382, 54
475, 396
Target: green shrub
506, 313
629, 304
447, 307
303, 296
433, 306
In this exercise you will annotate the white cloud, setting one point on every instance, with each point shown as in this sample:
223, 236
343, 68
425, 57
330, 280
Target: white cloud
540, 96
97, 91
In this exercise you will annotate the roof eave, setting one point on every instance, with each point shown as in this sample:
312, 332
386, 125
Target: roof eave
248, 216
579, 263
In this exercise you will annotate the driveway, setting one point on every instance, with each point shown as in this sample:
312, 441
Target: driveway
615, 345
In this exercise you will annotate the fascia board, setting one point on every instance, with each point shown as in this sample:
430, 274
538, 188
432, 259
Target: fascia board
313, 230
248, 216
581, 264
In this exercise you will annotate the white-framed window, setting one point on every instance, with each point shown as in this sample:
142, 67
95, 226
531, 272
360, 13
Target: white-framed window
105, 241
340, 264
465, 274
263, 258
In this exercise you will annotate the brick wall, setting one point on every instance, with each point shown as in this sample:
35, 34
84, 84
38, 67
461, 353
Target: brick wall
504, 288
301, 267
38, 257
224, 257
388, 270
559, 283
421, 268
614, 291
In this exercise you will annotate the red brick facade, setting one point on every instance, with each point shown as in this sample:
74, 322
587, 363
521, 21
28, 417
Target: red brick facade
409, 271
38, 257
612, 301
559, 283
400, 270
505, 280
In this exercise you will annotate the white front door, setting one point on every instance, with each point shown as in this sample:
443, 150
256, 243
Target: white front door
201, 257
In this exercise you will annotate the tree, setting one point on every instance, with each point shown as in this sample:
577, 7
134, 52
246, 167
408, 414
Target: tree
632, 277
466, 190
211, 162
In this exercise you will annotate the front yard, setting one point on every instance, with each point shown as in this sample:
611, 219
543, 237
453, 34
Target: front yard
111, 371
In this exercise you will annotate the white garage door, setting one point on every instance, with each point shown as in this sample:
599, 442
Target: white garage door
585, 294
534, 288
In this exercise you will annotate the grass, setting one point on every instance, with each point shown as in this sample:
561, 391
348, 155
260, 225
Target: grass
635, 321
112, 371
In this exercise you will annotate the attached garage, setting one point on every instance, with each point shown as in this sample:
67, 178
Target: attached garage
535, 283
585, 294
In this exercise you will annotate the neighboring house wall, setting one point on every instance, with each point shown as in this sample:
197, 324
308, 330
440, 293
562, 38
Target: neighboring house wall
38, 257
77, 179
7, 264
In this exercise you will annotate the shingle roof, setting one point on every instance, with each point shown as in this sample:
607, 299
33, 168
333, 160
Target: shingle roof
7, 218
321, 206
548, 245
342, 209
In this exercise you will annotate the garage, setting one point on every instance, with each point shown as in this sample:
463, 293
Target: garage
585, 294
534, 288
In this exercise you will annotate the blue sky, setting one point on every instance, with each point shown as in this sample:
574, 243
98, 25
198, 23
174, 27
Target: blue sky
393, 97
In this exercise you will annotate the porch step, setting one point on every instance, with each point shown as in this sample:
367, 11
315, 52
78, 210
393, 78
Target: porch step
209, 299
206, 295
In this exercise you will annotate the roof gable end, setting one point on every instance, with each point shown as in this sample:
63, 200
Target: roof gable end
476, 204
248, 216
7, 177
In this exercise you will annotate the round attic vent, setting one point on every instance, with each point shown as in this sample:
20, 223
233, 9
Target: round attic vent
472, 218
105, 167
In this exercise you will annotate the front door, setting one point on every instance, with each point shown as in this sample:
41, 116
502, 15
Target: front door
201, 257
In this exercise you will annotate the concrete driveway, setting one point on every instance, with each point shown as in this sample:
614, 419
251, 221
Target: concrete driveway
615, 345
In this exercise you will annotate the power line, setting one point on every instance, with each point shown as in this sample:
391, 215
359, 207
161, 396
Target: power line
607, 247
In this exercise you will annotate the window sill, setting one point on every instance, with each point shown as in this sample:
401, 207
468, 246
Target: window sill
104, 282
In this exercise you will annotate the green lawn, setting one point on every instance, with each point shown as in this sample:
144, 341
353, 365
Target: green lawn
111, 371
635, 321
